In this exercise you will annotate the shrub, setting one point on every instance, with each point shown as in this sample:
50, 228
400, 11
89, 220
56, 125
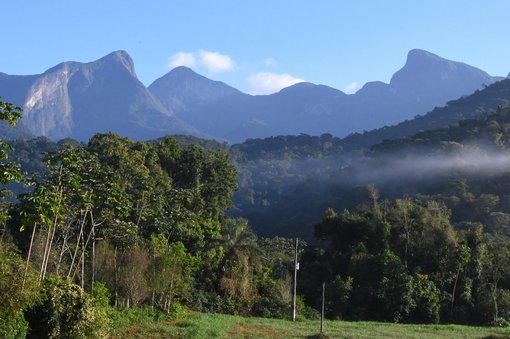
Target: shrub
64, 310
14, 297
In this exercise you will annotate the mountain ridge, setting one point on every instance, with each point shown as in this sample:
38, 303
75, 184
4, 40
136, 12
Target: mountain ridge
316, 109
74, 99
176, 89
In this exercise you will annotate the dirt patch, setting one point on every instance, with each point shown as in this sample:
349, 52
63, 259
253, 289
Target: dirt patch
138, 331
129, 333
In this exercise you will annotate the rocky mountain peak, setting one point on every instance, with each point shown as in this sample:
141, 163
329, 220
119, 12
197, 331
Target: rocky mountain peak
183, 71
425, 70
78, 99
117, 59
182, 87
420, 57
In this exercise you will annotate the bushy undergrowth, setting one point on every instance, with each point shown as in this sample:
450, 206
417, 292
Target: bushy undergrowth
15, 295
64, 310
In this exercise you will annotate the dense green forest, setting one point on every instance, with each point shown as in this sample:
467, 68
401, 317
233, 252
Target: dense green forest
123, 223
411, 230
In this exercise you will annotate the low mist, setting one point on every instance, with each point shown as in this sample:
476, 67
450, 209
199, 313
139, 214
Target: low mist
358, 170
413, 167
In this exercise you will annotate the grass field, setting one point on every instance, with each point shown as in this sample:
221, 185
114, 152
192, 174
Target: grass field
199, 325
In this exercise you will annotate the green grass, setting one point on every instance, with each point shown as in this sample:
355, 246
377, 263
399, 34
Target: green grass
127, 323
200, 325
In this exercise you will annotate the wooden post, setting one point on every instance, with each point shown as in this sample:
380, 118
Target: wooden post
322, 309
293, 311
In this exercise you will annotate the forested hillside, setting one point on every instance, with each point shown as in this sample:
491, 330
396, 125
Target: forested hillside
123, 223
279, 173
430, 210
481, 102
411, 230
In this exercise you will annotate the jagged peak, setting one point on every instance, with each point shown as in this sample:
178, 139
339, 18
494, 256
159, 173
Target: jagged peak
183, 70
421, 55
426, 66
180, 73
184, 76
302, 84
303, 87
122, 57
118, 57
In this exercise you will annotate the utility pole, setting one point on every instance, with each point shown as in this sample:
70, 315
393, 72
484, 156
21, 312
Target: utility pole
93, 259
296, 267
322, 309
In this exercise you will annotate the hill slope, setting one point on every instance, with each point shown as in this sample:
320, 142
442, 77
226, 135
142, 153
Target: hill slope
481, 102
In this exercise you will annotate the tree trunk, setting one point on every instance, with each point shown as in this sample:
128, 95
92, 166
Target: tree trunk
116, 277
53, 229
49, 247
93, 256
82, 256
495, 300
46, 245
454, 289
82, 264
28, 256
62, 249
80, 234
170, 295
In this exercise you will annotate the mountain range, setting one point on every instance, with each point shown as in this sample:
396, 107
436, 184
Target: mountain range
76, 100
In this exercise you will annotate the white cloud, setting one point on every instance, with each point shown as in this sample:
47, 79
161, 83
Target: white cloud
212, 61
267, 83
215, 61
182, 59
350, 88
270, 62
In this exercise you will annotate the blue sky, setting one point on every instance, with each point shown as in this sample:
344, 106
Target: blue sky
257, 46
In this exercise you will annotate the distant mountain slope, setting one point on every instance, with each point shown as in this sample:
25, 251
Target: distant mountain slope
181, 89
425, 81
488, 132
77, 100
286, 183
480, 102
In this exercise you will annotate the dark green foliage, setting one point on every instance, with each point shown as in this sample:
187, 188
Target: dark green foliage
427, 300
206, 144
65, 311
490, 131
16, 295
398, 262
9, 170
9, 112
144, 224
17, 284
287, 147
